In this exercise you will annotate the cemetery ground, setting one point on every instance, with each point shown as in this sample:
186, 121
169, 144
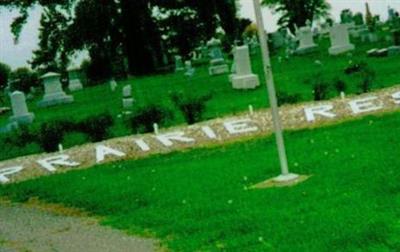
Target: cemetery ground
293, 76
202, 200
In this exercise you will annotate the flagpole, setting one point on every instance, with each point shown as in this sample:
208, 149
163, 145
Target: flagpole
285, 176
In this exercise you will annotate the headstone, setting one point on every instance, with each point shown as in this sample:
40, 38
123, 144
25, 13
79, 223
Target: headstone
179, 64
278, 39
244, 78
393, 50
306, 41
189, 69
113, 85
53, 92
20, 111
372, 52
75, 83
127, 99
217, 62
340, 41
204, 52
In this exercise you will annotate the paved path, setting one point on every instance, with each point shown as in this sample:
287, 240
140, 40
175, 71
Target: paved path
30, 229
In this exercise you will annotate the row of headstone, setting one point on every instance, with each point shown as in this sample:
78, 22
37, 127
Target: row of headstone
339, 36
53, 95
384, 52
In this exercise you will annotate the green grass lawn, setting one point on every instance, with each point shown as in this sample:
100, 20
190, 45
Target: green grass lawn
290, 77
198, 200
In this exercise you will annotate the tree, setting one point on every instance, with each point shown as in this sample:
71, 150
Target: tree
5, 71
109, 29
23, 80
52, 55
297, 12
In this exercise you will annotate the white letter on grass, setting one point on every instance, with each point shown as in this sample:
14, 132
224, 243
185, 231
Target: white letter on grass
142, 145
239, 126
166, 139
396, 97
62, 160
209, 132
323, 110
102, 151
365, 105
9, 171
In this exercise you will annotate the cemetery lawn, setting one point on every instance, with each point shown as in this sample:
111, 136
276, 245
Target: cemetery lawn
199, 200
292, 76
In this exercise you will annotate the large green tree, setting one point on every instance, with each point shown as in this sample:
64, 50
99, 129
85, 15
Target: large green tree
110, 28
297, 12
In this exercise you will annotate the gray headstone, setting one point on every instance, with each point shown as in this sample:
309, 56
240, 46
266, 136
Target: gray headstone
243, 78
54, 94
20, 111
75, 83
340, 41
306, 41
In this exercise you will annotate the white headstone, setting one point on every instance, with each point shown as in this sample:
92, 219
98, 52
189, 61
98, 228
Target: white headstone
113, 85
340, 41
243, 78
127, 99
179, 64
127, 91
75, 83
189, 69
306, 40
54, 94
20, 111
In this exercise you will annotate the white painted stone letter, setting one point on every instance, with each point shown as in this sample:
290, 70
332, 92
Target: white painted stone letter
142, 145
9, 171
322, 110
61, 160
209, 132
166, 139
102, 151
396, 97
240, 126
365, 105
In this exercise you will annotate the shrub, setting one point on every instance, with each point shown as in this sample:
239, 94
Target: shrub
285, 98
355, 67
143, 119
96, 127
51, 134
20, 137
367, 78
340, 85
23, 80
191, 107
320, 91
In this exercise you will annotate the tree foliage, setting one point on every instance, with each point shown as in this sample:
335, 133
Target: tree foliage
5, 71
141, 30
297, 12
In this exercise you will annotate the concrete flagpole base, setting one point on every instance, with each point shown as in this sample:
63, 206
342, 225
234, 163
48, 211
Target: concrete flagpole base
282, 181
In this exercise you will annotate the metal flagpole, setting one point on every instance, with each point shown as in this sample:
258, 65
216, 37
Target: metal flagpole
285, 175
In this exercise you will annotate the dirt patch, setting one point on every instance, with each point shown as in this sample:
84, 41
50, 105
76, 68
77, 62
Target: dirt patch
31, 228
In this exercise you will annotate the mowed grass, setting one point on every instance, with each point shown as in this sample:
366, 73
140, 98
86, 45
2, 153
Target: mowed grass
292, 76
200, 201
